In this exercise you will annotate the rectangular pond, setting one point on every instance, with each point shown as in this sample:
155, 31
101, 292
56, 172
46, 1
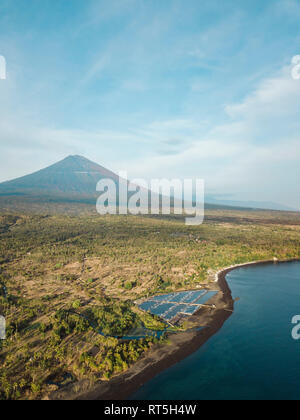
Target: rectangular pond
170, 306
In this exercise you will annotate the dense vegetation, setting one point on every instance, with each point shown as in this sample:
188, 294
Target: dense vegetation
70, 277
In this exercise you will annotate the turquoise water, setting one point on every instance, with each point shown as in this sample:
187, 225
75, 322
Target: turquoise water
253, 356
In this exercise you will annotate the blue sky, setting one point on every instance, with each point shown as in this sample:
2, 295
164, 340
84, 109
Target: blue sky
173, 88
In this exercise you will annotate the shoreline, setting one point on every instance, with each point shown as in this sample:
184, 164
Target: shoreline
221, 274
164, 356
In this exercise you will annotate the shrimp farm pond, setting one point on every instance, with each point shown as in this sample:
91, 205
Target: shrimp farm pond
175, 306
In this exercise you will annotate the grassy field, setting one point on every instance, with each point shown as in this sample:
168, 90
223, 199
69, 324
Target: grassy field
69, 276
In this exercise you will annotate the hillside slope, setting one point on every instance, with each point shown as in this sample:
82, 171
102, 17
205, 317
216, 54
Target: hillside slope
75, 175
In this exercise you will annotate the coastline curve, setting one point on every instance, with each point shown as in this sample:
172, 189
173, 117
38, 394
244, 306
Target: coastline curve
182, 345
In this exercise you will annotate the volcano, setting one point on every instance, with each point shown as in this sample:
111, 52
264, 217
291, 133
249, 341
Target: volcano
74, 176
74, 179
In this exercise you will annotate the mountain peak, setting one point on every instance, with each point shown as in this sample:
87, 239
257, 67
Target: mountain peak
77, 158
74, 175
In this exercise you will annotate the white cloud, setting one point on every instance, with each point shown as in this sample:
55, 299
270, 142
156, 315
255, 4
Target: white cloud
256, 151
277, 96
